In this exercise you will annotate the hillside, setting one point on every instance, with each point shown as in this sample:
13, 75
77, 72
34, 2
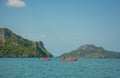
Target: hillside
13, 45
91, 51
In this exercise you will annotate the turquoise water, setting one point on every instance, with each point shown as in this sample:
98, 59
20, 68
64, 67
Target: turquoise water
55, 68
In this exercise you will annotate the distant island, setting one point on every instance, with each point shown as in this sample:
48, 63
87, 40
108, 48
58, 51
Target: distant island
13, 45
91, 51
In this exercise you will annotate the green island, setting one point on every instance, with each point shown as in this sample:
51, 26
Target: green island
91, 51
13, 45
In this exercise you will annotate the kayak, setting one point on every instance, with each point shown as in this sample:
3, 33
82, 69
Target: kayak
46, 59
73, 59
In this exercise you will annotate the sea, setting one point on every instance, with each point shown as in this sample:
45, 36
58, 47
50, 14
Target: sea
55, 68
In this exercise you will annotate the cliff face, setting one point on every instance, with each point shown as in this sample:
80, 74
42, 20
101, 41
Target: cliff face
91, 51
39, 46
12, 45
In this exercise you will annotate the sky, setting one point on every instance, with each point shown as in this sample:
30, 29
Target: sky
64, 25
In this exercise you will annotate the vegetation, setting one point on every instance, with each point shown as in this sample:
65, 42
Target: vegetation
16, 46
91, 51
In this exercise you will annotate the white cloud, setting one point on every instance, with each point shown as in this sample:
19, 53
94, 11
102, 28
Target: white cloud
16, 3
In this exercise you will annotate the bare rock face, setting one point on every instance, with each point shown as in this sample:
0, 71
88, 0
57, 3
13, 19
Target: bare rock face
5, 33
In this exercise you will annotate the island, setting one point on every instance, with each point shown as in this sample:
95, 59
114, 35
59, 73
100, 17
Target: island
13, 45
91, 51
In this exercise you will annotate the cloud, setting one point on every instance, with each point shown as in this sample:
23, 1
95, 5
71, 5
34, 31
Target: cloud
16, 3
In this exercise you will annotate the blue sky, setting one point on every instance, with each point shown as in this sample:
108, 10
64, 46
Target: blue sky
64, 25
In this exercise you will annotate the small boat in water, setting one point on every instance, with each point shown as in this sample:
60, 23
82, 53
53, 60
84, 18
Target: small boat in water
74, 59
45, 58
69, 59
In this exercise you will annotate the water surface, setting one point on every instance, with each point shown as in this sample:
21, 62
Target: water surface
55, 68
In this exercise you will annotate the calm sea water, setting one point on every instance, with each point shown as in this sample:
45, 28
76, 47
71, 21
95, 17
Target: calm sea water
55, 68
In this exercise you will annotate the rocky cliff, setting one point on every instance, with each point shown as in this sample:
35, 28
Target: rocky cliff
13, 45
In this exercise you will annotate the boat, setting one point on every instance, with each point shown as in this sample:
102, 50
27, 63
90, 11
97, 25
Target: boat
69, 59
44, 58
74, 59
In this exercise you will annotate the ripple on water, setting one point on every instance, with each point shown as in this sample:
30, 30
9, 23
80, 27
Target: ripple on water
55, 68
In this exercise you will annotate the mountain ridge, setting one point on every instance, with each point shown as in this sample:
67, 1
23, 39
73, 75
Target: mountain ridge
13, 45
91, 51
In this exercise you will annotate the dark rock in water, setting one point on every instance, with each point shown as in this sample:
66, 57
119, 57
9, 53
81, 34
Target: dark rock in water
91, 51
13, 45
